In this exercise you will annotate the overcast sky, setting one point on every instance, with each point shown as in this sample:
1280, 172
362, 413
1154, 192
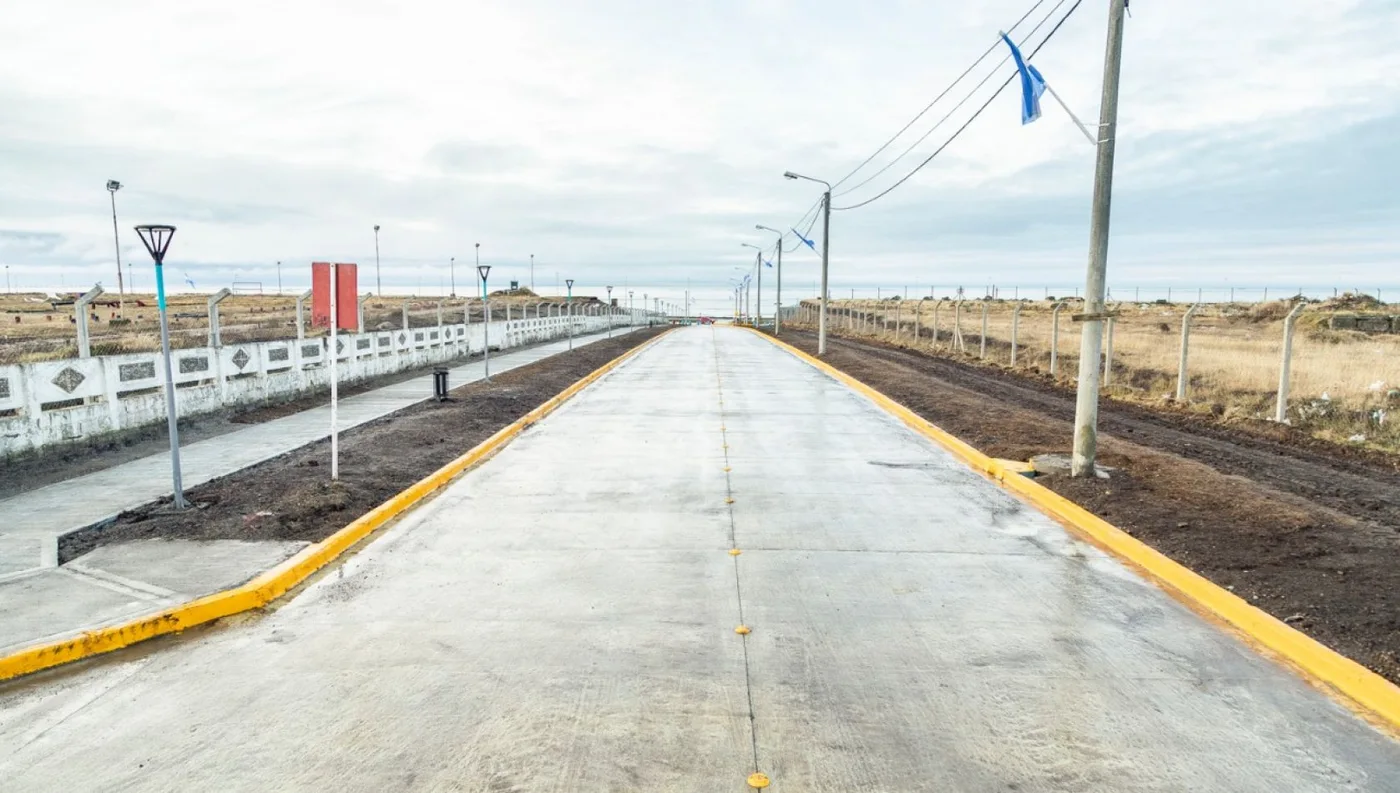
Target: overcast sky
640, 141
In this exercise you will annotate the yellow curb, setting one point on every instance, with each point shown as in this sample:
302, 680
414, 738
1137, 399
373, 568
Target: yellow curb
279, 580
1351, 683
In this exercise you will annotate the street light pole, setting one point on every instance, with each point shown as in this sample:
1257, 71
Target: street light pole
758, 262
112, 187
826, 248
610, 316
569, 301
778, 302
378, 283
279, 278
1086, 408
532, 272
484, 270
157, 241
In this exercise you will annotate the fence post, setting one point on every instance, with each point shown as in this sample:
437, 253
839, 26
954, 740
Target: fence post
214, 301
1281, 408
1015, 329
983, 353
898, 308
957, 328
360, 311
80, 309
1108, 353
937, 305
1055, 339
918, 323
301, 320
1185, 345
405, 314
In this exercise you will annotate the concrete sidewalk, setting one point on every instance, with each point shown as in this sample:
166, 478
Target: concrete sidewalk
556, 623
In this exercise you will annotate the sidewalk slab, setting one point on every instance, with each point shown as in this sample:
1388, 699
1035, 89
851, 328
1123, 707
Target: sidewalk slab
542, 625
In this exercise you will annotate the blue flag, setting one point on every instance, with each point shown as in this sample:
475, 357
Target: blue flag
1032, 84
767, 264
810, 244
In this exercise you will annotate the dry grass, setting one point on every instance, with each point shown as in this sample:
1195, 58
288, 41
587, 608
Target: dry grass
32, 329
1344, 383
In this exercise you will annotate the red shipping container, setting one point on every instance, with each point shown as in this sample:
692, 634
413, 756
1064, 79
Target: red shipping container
346, 309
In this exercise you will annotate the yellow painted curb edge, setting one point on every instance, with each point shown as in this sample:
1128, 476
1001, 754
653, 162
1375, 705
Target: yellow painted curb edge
279, 580
1350, 682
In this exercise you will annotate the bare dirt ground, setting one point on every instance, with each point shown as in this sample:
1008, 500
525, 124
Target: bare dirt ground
292, 498
1308, 531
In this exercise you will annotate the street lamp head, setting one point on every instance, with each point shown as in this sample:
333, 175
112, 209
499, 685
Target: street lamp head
156, 238
376, 227
789, 175
113, 185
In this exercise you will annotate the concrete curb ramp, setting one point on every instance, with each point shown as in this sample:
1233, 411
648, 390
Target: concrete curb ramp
1365, 692
281, 579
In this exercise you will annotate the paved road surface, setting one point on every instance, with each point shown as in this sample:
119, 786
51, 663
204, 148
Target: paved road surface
562, 619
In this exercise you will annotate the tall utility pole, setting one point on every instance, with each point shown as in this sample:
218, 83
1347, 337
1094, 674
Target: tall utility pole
112, 187
279, 278
378, 284
532, 272
778, 302
1086, 411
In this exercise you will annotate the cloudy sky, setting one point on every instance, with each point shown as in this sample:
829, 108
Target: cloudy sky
638, 142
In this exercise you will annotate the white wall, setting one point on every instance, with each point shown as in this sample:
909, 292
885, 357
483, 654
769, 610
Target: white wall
210, 379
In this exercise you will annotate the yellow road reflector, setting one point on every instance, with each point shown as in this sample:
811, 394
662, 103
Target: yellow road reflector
742, 630
729, 501
758, 781
726, 469
734, 551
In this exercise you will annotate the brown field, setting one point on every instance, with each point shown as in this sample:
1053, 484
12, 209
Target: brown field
1344, 384
33, 329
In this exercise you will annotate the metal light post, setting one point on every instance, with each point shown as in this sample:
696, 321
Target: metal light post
569, 301
826, 247
778, 302
157, 241
378, 284
610, 316
532, 272
758, 262
112, 187
452, 274
279, 278
484, 270
631, 312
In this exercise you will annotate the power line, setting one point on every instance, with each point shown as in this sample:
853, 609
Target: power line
942, 94
967, 123
956, 107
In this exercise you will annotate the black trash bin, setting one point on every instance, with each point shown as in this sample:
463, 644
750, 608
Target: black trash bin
440, 384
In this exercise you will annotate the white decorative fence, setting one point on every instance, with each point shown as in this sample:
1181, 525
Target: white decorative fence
53, 402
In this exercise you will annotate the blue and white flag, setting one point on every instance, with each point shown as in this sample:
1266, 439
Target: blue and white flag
1032, 84
810, 244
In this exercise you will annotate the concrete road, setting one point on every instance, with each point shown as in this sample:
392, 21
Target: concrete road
563, 619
